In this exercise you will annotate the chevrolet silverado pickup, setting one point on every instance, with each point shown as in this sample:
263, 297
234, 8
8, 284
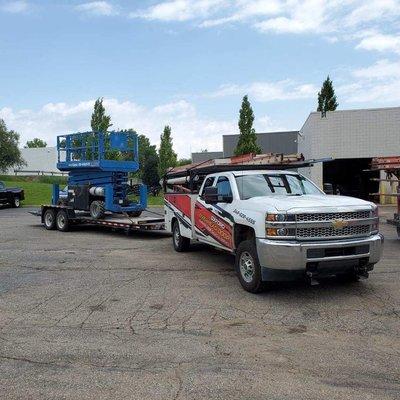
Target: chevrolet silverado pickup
279, 225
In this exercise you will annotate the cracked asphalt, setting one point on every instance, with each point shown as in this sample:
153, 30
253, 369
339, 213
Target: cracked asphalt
95, 314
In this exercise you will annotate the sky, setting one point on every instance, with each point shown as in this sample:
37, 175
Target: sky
188, 63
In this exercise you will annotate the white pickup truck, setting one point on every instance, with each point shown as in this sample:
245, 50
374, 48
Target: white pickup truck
279, 225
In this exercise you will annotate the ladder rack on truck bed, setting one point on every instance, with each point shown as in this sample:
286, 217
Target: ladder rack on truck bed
70, 217
188, 178
391, 166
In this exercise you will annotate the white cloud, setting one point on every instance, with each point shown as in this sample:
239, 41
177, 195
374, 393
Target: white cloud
267, 91
376, 85
191, 132
97, 8
345, 19
382, 69
15, 7
179, 10
380, 42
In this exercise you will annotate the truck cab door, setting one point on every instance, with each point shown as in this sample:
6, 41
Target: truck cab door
213, 223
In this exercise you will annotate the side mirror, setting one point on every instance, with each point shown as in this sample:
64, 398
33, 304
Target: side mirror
210, 195
328, 188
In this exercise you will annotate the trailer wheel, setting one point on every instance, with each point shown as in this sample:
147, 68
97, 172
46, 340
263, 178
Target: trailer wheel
62, 221
248, 267
134, 214
16, 203
180, 242
97, 209
49, 219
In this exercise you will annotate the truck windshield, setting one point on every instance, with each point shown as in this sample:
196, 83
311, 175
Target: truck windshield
268, 185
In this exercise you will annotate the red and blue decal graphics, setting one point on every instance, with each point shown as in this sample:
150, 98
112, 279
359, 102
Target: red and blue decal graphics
210, 224
181, 202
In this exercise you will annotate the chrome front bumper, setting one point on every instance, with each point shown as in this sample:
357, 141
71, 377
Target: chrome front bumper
295, 256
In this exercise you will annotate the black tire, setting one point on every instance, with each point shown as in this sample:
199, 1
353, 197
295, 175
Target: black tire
248, 267
97, 209
49, 219
16, 203
135, 214
180, 242
62, 221
398, 232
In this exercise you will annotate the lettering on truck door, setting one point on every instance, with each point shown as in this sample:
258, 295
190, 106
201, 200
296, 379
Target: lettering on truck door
213, 224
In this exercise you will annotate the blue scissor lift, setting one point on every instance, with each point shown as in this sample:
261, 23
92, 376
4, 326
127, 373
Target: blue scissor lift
98, 164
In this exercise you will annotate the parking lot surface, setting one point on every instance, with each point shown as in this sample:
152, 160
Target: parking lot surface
96, 314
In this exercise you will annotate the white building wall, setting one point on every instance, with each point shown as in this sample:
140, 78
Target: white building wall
350, 134
38, 159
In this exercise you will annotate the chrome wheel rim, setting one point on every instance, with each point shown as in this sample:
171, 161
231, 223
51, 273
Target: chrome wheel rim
247, 268
61, 220
48, 219
16, 202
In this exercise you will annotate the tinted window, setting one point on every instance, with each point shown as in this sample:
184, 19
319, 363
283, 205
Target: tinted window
2, 186
224, 187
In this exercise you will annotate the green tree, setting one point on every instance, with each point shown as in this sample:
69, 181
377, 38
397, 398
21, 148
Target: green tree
100, 122
183, 161
247, 138
10, 155
148, 160
167, 156
326, 97
35, 143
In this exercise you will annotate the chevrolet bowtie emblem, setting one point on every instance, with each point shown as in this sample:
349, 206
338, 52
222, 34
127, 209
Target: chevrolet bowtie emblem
339, 224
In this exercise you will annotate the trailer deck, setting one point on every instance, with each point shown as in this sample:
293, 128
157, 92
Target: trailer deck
110, 220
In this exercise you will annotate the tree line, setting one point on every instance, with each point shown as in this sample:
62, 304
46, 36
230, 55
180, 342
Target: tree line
153, 163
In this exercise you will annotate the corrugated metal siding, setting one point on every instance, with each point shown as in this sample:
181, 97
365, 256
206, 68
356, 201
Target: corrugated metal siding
206, 155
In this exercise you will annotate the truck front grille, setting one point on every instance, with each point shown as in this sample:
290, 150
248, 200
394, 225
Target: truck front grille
330, 232
309, 217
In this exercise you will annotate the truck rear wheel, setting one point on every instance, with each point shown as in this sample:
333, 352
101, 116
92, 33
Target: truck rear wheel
97, 209
180, 242
62, 221
248, 267
16, 203
49, 219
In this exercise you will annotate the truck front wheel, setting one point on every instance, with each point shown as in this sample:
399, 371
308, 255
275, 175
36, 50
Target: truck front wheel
181, 243
248, 267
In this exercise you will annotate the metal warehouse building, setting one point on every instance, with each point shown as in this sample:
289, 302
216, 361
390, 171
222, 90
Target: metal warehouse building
352, 138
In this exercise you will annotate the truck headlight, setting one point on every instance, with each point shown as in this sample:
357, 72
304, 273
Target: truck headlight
275, 217
280, 232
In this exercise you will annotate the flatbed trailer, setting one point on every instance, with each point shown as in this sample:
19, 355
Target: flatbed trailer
62, 217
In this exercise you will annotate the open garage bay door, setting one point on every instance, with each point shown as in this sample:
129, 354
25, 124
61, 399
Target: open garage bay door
349, 178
